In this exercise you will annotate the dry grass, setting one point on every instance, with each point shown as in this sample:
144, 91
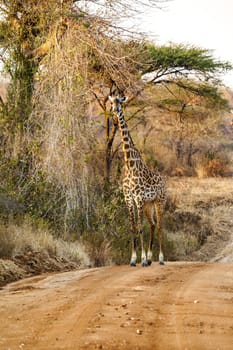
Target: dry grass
212, 168
21, 239
210, 201
188, 191
99, 250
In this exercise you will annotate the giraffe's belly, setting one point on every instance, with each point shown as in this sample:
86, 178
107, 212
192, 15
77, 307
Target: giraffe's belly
147, 194
151, 195
149, 189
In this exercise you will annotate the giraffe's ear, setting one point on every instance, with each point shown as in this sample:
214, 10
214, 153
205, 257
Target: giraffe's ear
123, 99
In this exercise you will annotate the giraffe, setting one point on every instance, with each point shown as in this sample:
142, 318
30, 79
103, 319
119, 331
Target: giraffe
144, 190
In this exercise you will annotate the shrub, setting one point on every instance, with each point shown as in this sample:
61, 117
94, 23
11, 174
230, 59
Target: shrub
213, 165
216, 167
99, 249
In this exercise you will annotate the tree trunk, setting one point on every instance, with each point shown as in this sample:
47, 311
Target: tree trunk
191, 151
179, 149
190, 154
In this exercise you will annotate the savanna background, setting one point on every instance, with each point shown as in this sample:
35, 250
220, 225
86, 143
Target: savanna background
61, 201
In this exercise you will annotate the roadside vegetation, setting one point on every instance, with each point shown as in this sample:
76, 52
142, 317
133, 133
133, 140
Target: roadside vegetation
60, 155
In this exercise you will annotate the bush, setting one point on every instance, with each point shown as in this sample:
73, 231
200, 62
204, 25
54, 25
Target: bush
213, 165
99, 249
216, 167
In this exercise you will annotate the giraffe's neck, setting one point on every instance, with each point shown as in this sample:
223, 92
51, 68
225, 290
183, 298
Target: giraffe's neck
131, 154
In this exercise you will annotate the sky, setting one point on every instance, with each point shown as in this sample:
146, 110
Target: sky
204, 23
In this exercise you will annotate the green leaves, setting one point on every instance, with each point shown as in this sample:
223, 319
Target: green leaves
184, 58
188, 69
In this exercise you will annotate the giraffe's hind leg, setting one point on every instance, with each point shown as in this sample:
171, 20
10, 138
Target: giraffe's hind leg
159, 213
131, 209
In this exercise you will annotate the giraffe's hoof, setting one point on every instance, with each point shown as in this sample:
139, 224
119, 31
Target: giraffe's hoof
133, 264
144, 264
161, 263
149, 262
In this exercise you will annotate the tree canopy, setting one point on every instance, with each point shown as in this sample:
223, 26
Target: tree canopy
180, 60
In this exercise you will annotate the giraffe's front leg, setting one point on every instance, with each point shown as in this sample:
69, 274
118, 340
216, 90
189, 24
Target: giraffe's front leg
140, 230
149, 210
151, 241
133, 260
131, 208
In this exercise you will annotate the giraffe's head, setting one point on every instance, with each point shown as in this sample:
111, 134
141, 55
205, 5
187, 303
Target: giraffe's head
116, 103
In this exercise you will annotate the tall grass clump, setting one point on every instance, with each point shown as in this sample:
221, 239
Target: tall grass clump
21, 239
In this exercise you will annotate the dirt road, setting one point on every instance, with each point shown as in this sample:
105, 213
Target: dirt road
176, 306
